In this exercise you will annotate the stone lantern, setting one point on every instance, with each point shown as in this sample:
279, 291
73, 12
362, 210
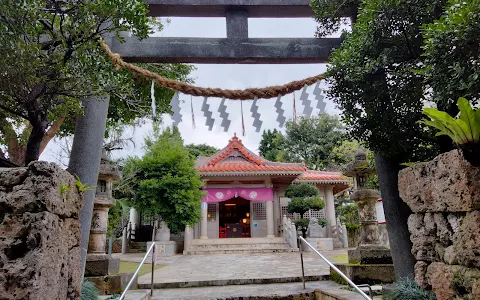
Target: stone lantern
371, 261
98, 262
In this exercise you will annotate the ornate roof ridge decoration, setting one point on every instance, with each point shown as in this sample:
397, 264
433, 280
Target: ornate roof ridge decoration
235, 144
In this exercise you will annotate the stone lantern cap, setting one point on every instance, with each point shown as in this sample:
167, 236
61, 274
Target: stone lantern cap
360, 167
107, 170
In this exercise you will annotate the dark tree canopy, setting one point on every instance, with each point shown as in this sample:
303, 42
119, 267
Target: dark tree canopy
372, 80
50, 59
452, 55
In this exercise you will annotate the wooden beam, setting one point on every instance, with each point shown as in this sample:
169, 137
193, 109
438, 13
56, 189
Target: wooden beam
226, 51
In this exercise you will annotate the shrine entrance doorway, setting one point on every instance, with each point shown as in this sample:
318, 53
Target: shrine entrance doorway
234, 218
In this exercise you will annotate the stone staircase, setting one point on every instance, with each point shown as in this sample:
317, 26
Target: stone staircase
238, 245
137, 247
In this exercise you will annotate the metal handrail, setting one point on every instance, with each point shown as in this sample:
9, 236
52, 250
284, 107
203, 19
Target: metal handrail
370, 291
331, 265
152, 247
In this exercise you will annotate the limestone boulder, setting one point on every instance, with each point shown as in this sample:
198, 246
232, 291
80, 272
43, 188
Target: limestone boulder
453, 281
421, 274
422, 234
40, 234
42, 186
467, 240
448, 183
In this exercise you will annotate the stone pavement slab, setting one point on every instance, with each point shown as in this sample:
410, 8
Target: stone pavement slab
184, 268
239, 292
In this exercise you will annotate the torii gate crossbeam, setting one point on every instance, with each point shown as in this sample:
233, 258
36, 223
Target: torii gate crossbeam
237, 48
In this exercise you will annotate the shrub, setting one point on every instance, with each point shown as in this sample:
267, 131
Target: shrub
89, 291
408, 289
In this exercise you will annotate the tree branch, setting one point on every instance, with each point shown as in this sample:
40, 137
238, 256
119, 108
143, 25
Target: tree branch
51, 132
10, 137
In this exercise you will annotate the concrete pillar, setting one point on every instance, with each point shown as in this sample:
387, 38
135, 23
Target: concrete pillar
204, 222
124, 241
187, 238
330, 209
85, 159
270, 219
237, 23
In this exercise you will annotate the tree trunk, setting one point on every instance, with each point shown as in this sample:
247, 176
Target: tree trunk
396, 215
32, 152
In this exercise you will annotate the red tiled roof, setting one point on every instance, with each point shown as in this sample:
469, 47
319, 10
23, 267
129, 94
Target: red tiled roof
321, 176
235, 158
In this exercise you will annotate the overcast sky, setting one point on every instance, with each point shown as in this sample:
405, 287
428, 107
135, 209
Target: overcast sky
231, 77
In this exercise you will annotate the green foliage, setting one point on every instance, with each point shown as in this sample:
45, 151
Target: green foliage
371, 80
272, 145
89, 291
303, 198
50, 58
302, 224
166, 182
201, 150
301, 191
462, 130
82, 188
330, 15
302, 205
115, 215
63, 189
451, 54
322, 222
348, 214
408, 289
312, 140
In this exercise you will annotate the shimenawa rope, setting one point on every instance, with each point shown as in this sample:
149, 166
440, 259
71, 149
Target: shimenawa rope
246, 94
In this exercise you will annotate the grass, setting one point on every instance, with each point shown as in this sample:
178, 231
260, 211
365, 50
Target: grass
131, 267
342, 258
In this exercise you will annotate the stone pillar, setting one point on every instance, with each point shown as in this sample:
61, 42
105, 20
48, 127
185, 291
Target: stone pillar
187, 238
98, 262
330, 209
369, 234
124, 240
85, 158
270, 219
204, 222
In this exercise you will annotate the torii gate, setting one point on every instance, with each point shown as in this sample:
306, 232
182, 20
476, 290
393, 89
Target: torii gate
237, 48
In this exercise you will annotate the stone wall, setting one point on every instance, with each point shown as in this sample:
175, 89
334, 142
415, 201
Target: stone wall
444, 195
39, 233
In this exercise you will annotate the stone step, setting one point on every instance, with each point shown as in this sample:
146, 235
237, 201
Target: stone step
230, 282
238, 241
241, 246
279, 291
131, 295
235, 250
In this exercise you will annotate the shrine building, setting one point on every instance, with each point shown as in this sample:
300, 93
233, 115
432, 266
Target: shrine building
245, 198
246, 193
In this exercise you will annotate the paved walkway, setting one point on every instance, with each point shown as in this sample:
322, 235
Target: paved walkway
184, 268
